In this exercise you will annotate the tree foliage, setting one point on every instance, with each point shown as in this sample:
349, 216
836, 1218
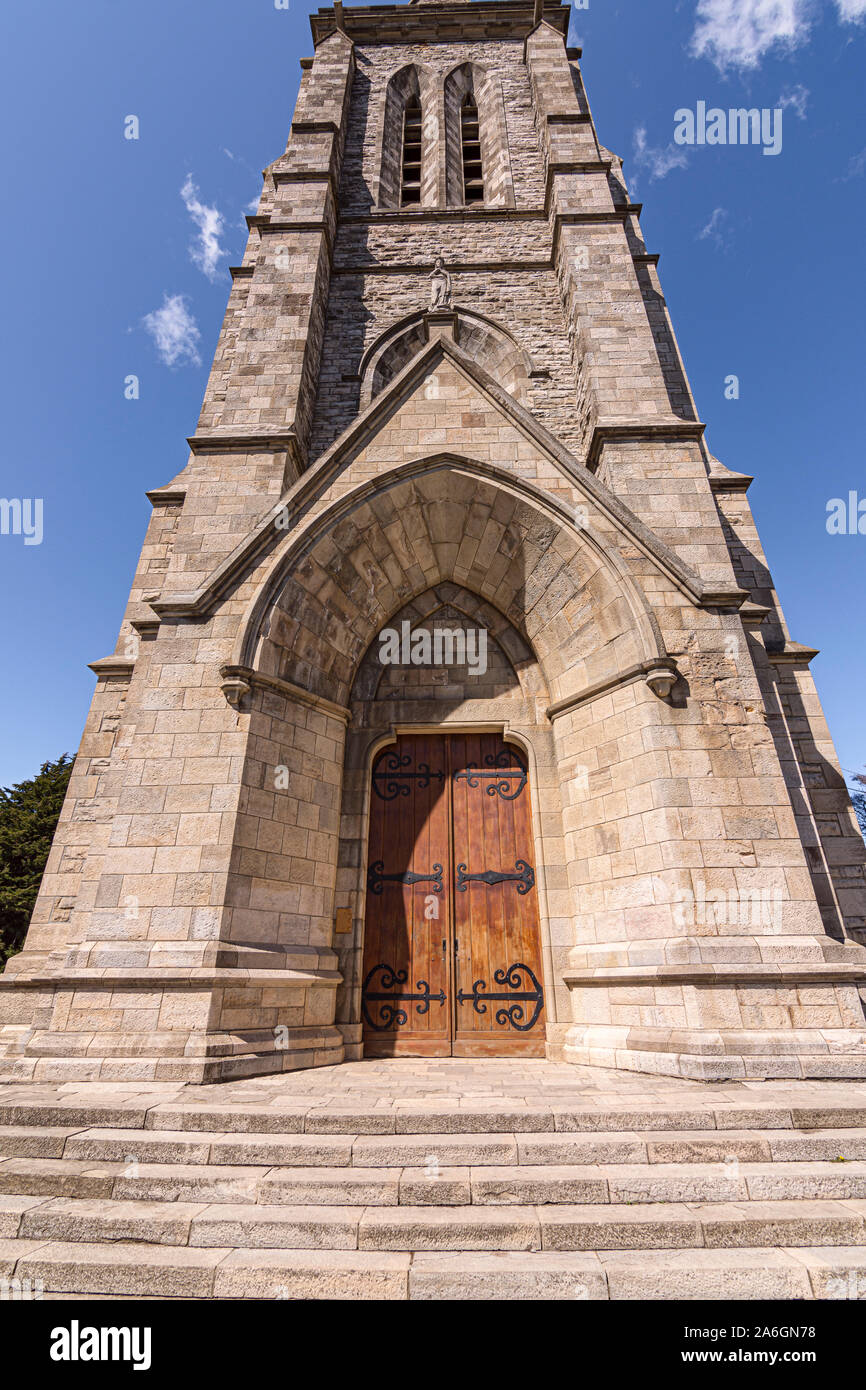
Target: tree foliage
29, 812
858, 800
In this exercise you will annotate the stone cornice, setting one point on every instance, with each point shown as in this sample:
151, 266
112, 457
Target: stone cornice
730, 481
138, 978
113, 666
286, 175
166, 496
753, 614
613, 430
235, 677
643, 669
436, 23
264, 443
764, 972
793, 654
456, 267
387, 216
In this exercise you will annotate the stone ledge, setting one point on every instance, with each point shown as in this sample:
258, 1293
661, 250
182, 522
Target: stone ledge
113, 666
617, 430
145, 979
722, 1067
710, 975
235, 676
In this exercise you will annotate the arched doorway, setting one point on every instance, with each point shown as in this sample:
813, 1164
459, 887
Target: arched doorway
452, 953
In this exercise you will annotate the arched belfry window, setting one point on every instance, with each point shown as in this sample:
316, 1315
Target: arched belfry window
477, 163
410, 173
470, 148
410, 140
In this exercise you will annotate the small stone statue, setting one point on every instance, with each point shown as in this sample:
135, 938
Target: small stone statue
440, 286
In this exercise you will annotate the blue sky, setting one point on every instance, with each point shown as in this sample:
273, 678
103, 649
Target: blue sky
761, 263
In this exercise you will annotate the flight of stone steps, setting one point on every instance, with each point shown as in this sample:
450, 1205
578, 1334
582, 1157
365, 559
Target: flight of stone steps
172, 1199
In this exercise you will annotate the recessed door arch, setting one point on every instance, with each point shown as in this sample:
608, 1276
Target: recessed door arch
452, 951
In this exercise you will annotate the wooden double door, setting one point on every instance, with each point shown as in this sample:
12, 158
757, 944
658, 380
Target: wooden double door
452, 958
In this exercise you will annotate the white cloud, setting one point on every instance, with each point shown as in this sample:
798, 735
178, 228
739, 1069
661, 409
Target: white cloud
657, 160
250, 210
737, 33
856, 166
851, 11
175, 331
715, 229
796, 98
205, 251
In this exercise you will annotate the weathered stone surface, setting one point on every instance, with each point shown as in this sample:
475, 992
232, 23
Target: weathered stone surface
453, 1150
294, 1228
331, 1186
308, 1274
449, 1228
77, 1219
507, 1275
741, 1275
132, 1269
526, 461
529, 462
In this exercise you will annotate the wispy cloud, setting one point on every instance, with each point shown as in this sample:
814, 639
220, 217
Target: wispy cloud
737, 33
250, 210
174, 331
716, 230
205, 251
856, 166
657, 160
851, 11
795, 98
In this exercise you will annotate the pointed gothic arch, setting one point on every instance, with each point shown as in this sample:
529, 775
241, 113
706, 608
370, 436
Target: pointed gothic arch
483, 339
516, 715
409, 139
477, 162
338, 578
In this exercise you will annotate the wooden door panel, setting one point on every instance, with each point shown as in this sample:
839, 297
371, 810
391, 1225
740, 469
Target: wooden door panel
452, 959
499, 998
405, 997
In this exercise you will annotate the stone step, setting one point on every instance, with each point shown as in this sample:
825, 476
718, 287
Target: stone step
579, 1227
411, 1118
694, 1147
27, 1141
728, 1275
514, 1185
473, 1150
436, 1151
123, 1270
178, 1146
613, 1227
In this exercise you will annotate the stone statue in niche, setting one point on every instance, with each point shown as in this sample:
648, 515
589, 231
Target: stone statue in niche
440, 286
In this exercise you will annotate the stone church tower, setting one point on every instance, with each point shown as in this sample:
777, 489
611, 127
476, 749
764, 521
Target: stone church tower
453, 711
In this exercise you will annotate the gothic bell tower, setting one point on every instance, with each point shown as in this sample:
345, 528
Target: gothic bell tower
593, 811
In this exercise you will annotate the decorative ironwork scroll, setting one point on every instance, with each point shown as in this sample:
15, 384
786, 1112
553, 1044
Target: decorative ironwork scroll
390, 781
514, 1013
524, 877
376, 878
387, 997
499, 768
